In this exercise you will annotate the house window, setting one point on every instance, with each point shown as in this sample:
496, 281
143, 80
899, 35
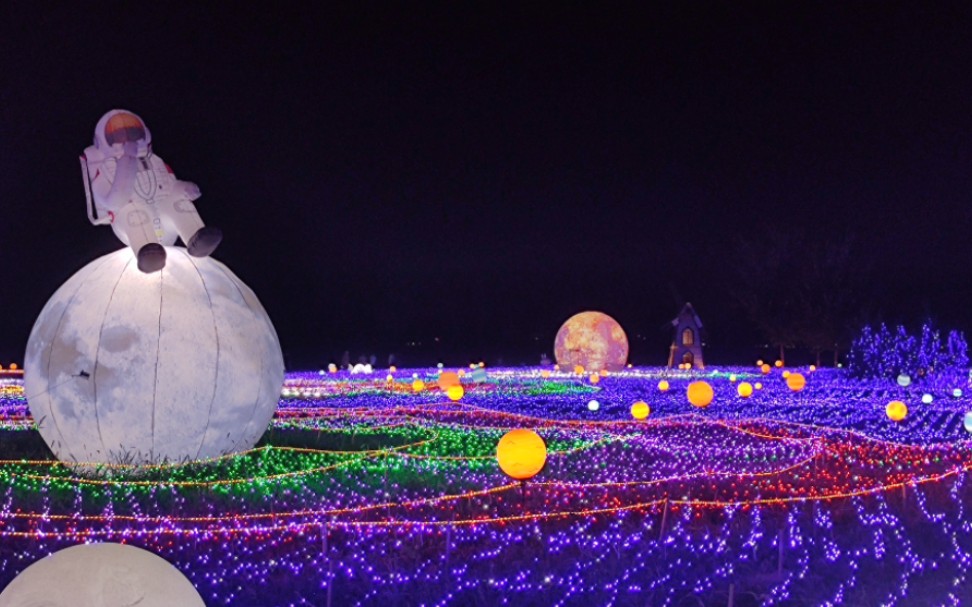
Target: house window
688, 337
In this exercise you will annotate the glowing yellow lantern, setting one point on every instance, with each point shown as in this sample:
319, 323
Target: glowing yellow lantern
418, 385
786, 374
455, 392
604, 372
389, 378
579, 370
745, 389
796, 382
393, 368
732, 378
700, 394
764, 369
778, 364
663, 385
758, 386
759, 363
521, 454
813, 368
13, 366
545, 374
447, 379
897, 410
640, 410
595, 378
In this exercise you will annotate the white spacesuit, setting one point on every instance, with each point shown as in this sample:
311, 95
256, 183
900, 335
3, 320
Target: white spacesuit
136, 192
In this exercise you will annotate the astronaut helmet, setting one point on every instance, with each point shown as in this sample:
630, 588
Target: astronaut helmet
118, 127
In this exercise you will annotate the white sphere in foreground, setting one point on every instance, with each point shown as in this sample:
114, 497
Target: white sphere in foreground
101, 575
177, 365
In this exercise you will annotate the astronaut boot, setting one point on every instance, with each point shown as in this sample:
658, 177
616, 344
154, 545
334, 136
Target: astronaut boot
151, 257
204, 241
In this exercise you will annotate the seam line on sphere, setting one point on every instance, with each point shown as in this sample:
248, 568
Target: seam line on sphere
94, 373
209, 412
50, 352
158, 350
262, 317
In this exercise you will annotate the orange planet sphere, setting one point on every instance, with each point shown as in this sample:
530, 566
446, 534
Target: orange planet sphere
796, 382
592, 340
897, 410
455, 392
446, 379
745, 389
521, 454
640, 410
700, 394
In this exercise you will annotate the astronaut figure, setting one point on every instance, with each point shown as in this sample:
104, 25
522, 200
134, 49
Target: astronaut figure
137, 193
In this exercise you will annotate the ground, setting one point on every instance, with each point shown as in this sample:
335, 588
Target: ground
366, 492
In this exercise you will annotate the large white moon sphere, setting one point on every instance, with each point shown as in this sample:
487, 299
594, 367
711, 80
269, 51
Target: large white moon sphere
178, 365
101, 575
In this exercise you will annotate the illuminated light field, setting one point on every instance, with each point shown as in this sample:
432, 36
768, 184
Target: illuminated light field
365, 492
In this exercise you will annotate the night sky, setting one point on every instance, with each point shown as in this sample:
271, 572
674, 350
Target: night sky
388, 174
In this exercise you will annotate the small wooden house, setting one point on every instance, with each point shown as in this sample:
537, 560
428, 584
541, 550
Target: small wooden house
687, 341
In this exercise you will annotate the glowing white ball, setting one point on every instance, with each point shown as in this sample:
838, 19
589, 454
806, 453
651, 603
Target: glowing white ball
904, 380
967, 421
101, 575
177, 365
593, 405
927, 398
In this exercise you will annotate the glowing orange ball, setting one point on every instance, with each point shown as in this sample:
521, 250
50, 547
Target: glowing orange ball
786, 374
796, 382
418, 385
455, 392
745, 389
447, 379
897, 410
813, 368
759, 363
578, 369
13, 366
663, 385
640, 410
778, 364
595, 378
521, 454
700, 394
545, 374
764, 369
758, 386
393, 368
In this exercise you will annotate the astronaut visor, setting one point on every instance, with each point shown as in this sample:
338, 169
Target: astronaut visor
123, 127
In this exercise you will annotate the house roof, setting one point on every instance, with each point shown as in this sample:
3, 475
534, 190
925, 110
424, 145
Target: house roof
687, 309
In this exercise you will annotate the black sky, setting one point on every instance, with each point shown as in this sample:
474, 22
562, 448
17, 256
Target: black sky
387, 173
